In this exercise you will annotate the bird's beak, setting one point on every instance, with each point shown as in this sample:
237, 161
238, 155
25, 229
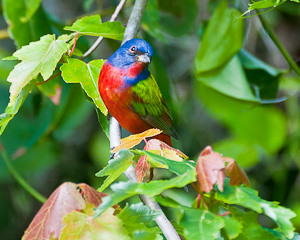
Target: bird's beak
144, 58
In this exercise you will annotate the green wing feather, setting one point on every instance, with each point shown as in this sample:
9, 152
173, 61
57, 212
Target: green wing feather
149, 104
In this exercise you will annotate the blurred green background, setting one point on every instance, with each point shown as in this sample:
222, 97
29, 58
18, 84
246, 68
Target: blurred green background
218, 79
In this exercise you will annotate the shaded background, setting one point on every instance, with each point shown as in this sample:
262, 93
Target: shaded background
50, 143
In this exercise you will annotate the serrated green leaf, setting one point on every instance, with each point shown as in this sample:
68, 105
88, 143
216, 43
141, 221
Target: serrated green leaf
251, 227
115, 168
37, 57
138, 217
14, 106
81, 226
31, 8
240, 195
174, 166
232, 227
222, 39
93, 26
281, 215
10, 58
87, 74
247, 197
199, 224
124, 190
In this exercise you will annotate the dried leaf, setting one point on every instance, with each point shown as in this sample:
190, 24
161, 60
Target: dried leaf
48, 222
210, 170
133, 140
236, 174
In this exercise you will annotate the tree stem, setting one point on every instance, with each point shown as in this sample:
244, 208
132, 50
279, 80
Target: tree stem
18, 177
112, 19
277, 42
162, 221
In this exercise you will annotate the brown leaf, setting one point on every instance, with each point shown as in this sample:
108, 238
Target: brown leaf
133, 140
66, 198
236, 174
210, 170
142, 168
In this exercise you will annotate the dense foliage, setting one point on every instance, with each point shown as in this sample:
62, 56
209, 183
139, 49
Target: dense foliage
220, 93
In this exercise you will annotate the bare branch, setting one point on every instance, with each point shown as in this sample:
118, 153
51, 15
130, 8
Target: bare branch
112, 19
162, 221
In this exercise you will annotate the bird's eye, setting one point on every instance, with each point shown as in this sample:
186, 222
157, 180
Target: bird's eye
133, 49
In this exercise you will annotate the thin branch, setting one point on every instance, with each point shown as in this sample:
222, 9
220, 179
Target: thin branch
112, 19
277, 42
19, 178
162, 221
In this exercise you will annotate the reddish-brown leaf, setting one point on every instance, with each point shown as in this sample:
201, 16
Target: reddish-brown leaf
235, 172
210, 170
91, 195
163, 150
142, 168
133, 140
207, 150
65, 199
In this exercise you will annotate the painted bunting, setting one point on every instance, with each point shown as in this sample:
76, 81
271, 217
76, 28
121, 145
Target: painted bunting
130, 92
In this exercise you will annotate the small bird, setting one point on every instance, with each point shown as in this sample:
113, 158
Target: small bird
130, 92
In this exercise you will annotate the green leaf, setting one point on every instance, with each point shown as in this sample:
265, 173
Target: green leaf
229, 80
222, 39
199, 224
14, 106
151, 21
159, 161
247, 197
240, 195
260, 75
124, 190
281, 215
82, 226
22, 32
104, 122
87, 74
144, 235
243, 152
178, 17
138, 217
232, 227
115, 168
251, 126
31, 8
251, 227
37, 57
93, 26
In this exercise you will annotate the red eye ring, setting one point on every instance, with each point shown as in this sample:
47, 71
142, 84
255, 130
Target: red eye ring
133, 49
